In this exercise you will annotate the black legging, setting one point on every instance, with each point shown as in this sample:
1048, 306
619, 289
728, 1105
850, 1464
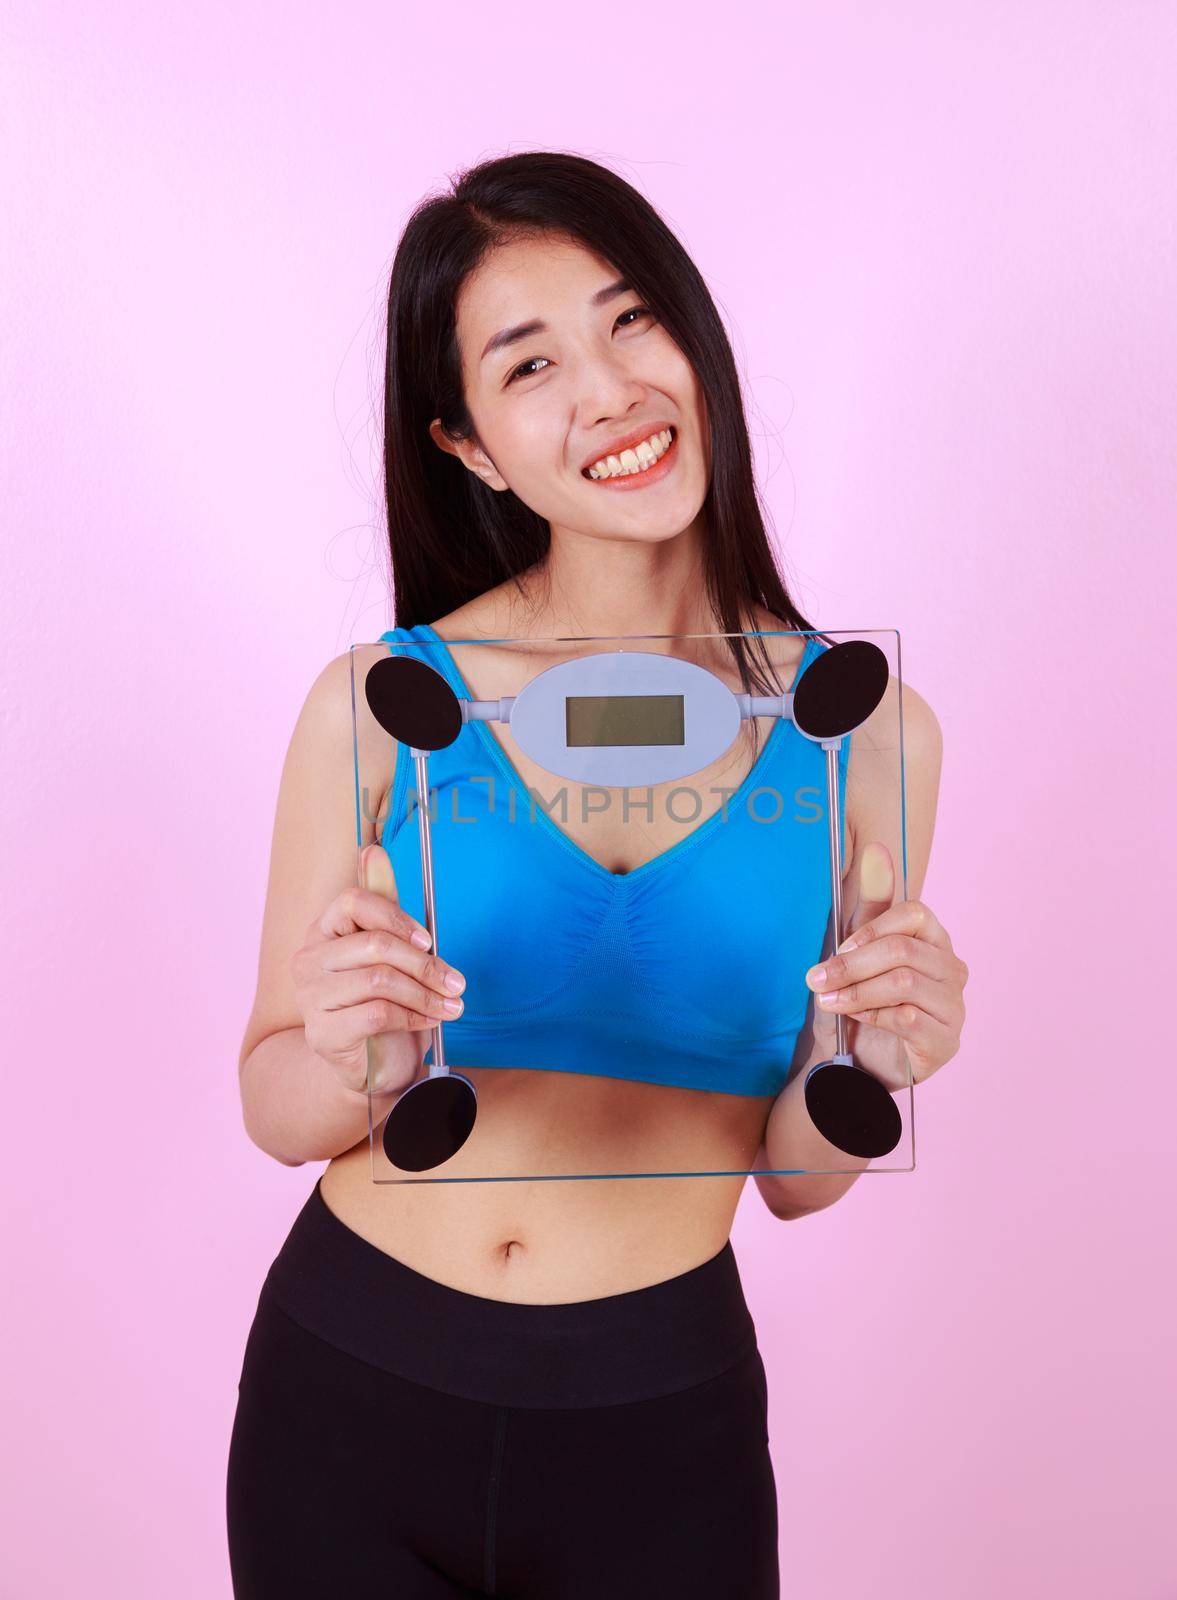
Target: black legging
398, 1438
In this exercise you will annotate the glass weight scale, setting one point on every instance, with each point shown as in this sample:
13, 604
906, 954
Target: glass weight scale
622, 718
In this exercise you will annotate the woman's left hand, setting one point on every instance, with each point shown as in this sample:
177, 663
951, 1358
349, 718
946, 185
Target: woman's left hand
896, 976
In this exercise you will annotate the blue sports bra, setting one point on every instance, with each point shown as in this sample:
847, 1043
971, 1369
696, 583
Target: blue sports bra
687, 971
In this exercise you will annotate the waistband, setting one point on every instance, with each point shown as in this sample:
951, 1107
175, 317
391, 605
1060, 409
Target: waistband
611, 1350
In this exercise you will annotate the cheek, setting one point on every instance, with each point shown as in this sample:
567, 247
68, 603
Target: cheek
672, 372
523, 447
678, 379
703, 431
531, 460
705, 435
537, 475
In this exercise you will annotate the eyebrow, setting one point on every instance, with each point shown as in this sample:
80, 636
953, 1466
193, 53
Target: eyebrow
524, 330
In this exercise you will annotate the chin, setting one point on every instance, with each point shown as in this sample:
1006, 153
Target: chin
657, 531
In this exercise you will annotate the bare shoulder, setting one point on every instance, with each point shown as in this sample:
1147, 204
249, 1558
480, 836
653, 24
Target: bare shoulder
494, 614
462, 623
326, 717
327, 706
786, 654
482, 634
764, 619
337, 735
902, 714
922, 734
893, 781
904, 720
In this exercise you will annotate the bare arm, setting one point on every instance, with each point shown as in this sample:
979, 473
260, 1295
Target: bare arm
295, 1105
791, 1140
295, 1110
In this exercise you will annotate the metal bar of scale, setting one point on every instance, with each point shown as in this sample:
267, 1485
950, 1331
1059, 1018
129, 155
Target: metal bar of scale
437, 1068
834, 813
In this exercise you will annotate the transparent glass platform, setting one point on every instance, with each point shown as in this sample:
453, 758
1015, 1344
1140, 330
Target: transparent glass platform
633, 849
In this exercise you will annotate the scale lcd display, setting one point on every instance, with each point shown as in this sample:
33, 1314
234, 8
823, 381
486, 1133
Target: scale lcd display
624, 719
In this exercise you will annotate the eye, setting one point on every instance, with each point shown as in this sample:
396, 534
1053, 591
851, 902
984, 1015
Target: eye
521, 370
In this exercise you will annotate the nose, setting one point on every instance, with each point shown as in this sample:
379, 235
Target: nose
608, 388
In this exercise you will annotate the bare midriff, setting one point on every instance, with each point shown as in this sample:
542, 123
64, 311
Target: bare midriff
562, 1238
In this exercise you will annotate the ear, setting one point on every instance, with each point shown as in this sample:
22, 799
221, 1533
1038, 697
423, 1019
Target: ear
470, 453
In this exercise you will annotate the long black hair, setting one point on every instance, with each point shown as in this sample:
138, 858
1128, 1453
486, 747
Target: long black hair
451, 537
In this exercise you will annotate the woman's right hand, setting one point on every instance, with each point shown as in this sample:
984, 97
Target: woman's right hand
359, 976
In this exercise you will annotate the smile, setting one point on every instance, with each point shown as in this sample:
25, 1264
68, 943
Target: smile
647, 462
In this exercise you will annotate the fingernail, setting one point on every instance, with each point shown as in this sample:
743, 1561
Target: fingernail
830, 998
816, 975
420, 938
454, 982
848, 944
452, 1006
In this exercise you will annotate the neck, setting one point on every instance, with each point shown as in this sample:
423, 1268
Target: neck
590, 585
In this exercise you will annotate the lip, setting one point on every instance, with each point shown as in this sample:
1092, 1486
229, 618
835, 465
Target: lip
626, 443
631, 482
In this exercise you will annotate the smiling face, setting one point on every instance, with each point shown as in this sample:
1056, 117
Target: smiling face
563, 366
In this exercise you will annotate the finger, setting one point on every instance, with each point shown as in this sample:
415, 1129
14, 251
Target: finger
352, 986
375, 947
876, 887
824, 1028
376, 872
377, 875
892, 950
823, 1023
358, 908
352, 1025
925, 1038
876, 890
906, 916
897, 987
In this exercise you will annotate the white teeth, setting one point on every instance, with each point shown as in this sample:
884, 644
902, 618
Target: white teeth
638, 459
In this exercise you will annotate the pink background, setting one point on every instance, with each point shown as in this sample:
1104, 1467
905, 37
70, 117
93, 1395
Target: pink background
942, 237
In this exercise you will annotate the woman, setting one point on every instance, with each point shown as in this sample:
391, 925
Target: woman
548, 1389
